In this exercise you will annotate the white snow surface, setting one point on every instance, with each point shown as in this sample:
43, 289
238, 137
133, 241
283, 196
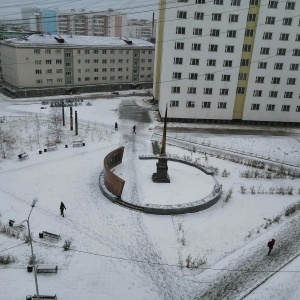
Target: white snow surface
118, 253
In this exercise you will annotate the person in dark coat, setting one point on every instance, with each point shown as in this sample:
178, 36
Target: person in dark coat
271, 245
62, 208
116, 126
134, 127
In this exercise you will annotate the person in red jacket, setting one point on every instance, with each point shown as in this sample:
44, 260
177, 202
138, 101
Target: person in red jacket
271, 245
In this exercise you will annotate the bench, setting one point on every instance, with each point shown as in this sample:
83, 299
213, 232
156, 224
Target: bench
78, 144
42, 297
46, 269
50, 235
12, 224
52, 148
23, 156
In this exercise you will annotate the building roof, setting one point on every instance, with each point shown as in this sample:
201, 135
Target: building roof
66, 41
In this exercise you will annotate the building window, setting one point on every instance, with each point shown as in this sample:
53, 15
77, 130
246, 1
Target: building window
267, 35
246, 48
120, 61
288, 95
294, 67
86, 51
233, 18
198, 15
249, 32
176, 75
296, 52
270, 107
251, 18
58, 71
264, 51
190, 103
48, 61
68, 64
298, 108
275, 80
96, 78
259, 79
48, 51
200, 1
287, 21
78, 51
174, 103
231, 33
37, 51
225, 77
87, 61
49, 80
136, 55
180, 30
281, 51
213, 48
87, 70
291, 81
79, 61
284, 37
193, 76
194, 61
242, 76
224, 92
96, 61
216, 17
278, 66
290, 5
192, 90
87, 79
235, 2
273, 4
208, 91
104, 78
68, 54
181, 14
218, 2
197, 31
175, 89
262, 65
113, 69
253, 2
58, 61
270, 20
177, 60
285, 108
49, 71
255, 106
68, 73
229, 49
196, 47
105, 51
240, 90
214, 32
273, 94
58, 51
244, 62
39, 81
227, 63
257, 93
38, 71
210, 77
222, 105
179, 46
206, 104
59, 80
37, 62
211, 62
96, 70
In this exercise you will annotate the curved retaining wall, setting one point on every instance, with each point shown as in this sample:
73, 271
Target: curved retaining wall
177, 209
112, 182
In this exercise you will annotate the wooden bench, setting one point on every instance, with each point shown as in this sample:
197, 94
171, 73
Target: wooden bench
12, 224
52, 148
46, 269
50, 235
78, 144
23, 156
42, 297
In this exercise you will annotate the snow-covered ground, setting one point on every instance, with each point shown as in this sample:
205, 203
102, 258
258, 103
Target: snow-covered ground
122, 254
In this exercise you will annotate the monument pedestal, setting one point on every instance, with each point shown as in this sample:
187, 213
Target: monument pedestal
162, 171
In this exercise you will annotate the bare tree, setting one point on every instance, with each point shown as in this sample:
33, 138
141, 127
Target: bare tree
7, 142
55, 124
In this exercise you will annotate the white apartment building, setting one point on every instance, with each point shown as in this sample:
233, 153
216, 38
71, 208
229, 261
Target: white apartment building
228, 61
50, 64
141, 28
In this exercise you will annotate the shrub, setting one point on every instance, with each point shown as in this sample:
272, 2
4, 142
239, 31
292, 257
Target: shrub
252, 190
7, 259
225, 173
31, 259
277, 219
243, 189
67, 245
228, 195
291, 209
196, 262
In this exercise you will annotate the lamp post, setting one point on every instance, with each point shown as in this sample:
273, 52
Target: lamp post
35, 199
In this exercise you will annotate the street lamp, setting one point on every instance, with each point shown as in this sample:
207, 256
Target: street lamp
34, 201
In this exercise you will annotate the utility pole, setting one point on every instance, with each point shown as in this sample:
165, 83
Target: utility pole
71, 118
76, 123
30, 241
63, 113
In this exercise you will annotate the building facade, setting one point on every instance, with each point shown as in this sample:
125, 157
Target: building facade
47, 64
228, 61
141, 28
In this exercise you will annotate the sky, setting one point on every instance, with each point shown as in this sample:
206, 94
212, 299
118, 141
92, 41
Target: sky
133, 8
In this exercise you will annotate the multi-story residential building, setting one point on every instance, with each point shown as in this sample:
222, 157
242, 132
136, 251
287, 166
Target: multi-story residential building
49, 21
141, 28
228, 61
49, 64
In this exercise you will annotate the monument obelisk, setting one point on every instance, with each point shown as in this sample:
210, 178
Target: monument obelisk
161, 174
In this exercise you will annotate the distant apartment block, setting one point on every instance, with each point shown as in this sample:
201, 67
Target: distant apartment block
141, 28
58, 64
229, 61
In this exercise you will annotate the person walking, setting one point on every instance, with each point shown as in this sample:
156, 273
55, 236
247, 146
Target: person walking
62, 208
271, 245
134, 127
116, 126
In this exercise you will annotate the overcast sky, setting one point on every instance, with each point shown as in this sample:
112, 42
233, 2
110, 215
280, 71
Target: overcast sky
11, 10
